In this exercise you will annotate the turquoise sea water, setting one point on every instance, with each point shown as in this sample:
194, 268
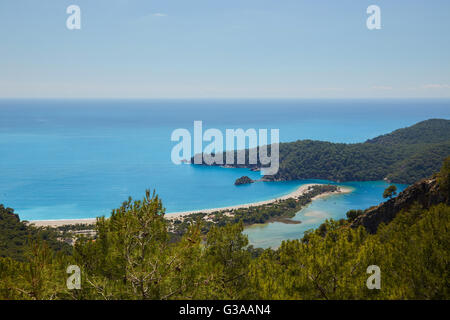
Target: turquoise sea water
363, 195
68, 159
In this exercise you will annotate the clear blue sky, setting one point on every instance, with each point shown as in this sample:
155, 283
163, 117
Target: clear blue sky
233, 48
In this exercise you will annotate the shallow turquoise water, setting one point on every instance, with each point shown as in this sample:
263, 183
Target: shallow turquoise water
69, 159
363, 195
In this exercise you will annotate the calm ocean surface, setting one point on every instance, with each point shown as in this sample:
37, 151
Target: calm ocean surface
69, 159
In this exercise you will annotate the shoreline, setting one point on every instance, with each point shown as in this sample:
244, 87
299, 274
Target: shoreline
294, 194
175, 215
61, 222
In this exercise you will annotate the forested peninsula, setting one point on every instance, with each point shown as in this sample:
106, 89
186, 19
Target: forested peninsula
402, 156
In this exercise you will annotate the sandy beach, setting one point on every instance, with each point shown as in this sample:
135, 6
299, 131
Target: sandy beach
176, 215
62, 222
294, 194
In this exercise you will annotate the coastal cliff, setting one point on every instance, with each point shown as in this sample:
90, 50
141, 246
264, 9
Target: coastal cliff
425, 193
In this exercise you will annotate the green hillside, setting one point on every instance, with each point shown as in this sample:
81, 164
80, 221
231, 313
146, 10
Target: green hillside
16, 235
429, 131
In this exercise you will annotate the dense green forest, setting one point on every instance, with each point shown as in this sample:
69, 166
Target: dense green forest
15, 235
133, 257
403, 156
